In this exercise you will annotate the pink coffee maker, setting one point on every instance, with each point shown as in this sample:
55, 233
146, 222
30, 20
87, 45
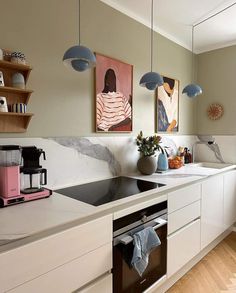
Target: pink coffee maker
10, 160
20, 184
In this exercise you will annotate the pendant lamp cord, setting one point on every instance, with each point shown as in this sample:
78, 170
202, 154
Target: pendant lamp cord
192, 45
151, 34
79, 22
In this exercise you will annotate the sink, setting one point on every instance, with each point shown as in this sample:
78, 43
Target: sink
210, 165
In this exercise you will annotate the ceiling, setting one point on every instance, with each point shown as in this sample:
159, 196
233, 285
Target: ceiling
174, 19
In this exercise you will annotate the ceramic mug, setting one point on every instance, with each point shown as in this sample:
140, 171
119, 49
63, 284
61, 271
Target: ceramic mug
18, 108
3, 104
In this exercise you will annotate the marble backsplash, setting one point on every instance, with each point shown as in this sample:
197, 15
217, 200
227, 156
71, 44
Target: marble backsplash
75, 160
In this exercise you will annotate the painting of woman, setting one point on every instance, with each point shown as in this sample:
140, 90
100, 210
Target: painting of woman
168, 105
113, 95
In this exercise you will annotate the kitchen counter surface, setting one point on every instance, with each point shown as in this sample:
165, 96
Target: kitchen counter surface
23, 223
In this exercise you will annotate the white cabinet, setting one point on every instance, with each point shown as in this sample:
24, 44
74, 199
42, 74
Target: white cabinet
183, 197
183, 245
183, 241
212, 209
103, 285
229, 199
182, 217
71, 276
63, 262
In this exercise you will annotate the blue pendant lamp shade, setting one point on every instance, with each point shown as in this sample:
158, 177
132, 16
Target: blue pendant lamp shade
79, 57
151, 80
192, 90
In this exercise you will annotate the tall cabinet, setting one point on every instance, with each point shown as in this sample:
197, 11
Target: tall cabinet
212, 215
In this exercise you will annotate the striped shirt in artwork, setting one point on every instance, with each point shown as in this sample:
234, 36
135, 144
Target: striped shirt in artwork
112, 108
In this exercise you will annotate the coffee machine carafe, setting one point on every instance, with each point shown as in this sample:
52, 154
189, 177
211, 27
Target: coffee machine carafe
33, 176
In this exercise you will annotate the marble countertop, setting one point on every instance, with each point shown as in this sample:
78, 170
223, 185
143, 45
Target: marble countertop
23, 223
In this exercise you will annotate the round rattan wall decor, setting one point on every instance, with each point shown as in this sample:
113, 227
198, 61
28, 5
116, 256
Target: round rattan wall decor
215, 111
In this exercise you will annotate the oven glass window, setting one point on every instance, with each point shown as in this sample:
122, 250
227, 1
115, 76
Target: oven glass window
126, 279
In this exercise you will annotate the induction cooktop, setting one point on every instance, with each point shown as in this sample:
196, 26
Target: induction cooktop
105, 191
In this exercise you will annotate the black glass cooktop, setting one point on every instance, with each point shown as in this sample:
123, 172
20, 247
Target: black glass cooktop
104, 191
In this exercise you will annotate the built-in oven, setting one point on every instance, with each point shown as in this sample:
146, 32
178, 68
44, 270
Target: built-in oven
125, 278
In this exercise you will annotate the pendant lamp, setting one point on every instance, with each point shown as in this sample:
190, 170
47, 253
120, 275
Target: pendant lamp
192, 90
79, 57
151, 80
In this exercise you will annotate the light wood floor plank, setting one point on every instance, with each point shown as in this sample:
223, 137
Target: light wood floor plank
215, 273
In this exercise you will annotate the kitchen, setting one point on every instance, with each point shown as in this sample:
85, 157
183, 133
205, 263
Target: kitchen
63, 126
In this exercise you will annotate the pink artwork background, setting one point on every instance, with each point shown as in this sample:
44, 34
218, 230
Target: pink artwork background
123, 73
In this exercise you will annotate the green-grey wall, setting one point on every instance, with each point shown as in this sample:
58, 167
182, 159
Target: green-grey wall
216, 75
63, 100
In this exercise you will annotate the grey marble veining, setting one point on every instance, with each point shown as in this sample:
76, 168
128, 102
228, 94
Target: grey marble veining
96, 151
213, 147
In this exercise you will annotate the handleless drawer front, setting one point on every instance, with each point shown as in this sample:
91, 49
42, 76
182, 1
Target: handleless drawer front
184, 216
34, 259
73, 275
103, 285
182, 197
182, 246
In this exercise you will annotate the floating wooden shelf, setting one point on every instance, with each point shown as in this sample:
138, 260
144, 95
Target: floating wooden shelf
15, 95
14, 122
14, 90
9, 68
11, 65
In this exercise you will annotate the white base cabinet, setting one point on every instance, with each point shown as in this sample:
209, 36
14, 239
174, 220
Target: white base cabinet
103, 285
229, 199
212, 210
182, 246
62, 262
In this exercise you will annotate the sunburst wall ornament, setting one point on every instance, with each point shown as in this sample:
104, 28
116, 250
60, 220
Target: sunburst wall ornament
215, 111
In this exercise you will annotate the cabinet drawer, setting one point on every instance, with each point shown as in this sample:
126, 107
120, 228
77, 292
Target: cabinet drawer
182, 246
182, 197
73, 275
182, 217
103, 285
31, 260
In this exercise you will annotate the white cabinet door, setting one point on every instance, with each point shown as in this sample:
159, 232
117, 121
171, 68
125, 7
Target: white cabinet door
37, 258
182, 246
184, 216
229, 199
212, 210
103, 285
72, 275
183, 197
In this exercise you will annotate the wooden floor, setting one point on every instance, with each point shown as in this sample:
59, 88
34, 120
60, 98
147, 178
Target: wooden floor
215, 273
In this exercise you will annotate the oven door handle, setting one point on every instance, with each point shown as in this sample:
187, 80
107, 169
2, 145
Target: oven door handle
128, 239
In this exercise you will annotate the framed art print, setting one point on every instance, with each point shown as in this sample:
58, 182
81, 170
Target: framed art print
167, 105
114, 92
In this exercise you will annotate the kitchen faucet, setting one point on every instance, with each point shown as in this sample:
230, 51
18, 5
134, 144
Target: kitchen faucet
200, 142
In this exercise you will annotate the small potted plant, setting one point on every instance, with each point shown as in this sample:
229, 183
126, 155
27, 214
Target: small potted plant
147, 146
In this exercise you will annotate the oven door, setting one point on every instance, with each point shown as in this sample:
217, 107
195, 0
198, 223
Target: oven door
125, 277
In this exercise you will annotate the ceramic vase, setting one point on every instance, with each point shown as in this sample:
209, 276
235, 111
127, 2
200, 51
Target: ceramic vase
162, 163
147, 165
18, 80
